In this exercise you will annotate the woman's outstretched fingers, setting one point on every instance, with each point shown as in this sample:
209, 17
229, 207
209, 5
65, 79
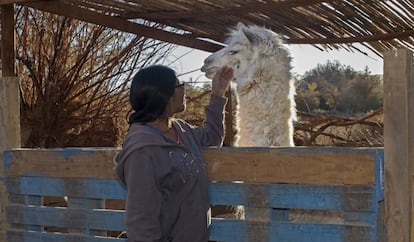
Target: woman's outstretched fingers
221, 80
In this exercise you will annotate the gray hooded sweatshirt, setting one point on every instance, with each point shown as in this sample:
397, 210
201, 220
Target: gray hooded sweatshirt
167, 186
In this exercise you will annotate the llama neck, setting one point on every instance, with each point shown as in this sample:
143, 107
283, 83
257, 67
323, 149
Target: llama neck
266, 111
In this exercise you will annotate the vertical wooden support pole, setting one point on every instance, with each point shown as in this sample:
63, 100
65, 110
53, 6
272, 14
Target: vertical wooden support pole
8, 54
399, 144
9, 101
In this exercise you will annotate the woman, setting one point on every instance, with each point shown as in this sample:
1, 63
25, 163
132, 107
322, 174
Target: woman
161, 162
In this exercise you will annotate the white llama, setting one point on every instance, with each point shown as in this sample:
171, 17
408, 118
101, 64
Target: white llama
265, 90
266, 106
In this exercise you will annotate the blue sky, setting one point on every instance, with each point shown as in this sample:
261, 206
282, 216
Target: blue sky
305, 57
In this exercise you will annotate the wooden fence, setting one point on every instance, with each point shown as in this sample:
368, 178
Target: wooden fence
348, 180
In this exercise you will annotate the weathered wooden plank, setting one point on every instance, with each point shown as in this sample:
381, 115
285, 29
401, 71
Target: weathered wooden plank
9, 130
379, 174
348, 198
10, 115
70, 162
66, 217
240, 230
9, 98
283, 165
339, 197
292, 165
84, 188
31, 236
85, 203
34, 200
381, 229
399, 143
248, 231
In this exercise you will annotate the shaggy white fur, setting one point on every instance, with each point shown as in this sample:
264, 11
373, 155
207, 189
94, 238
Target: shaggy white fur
266, 106
265, 89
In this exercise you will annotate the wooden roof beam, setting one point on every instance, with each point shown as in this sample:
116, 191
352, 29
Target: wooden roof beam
367, 38
122, 25
5, 2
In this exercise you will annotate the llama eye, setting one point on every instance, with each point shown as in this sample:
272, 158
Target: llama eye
232, 52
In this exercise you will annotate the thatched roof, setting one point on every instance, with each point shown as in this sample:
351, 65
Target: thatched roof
330, 24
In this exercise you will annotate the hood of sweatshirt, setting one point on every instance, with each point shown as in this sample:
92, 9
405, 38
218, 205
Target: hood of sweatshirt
138, 136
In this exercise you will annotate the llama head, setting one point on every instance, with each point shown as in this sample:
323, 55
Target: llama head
248, 48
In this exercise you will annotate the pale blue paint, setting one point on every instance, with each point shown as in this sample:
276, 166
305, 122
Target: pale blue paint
359, 202
88, 188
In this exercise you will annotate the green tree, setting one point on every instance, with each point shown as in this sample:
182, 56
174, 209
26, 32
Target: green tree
336, 88
329, 79
362, 94
307, 97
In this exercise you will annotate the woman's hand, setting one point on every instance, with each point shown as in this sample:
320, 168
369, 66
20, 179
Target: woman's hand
221, 81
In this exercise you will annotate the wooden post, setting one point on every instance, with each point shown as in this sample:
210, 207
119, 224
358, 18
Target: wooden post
9, 101
8, 55
399, 144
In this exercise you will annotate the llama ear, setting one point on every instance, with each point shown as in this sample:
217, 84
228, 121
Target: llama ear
240, 25
253, 38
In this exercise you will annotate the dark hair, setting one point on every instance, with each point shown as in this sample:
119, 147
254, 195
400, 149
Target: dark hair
150, 92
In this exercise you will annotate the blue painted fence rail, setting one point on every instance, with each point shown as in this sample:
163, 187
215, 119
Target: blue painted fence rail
32, 175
